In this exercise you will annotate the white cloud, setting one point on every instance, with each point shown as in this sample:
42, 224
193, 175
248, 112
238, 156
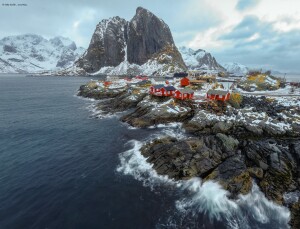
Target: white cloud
195, 23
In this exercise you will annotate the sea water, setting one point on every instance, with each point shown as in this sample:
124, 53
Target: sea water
62, 165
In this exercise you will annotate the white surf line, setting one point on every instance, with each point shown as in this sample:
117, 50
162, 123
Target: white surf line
208, 197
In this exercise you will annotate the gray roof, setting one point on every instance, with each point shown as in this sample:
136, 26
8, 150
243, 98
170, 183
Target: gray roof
159, 86
143, 82
170, 88
159, 79
217, 92
186, 91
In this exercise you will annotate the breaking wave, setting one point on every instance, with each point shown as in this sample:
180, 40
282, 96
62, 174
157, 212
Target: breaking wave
196, 198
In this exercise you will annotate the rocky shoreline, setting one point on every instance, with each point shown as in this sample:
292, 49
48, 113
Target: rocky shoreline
258, 142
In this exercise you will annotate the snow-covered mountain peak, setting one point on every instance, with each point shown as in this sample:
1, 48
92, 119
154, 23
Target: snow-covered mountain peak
199, 59
33, 53
236, 68
60, 41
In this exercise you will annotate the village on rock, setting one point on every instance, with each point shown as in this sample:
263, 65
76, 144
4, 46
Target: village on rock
180, 87
203, 100
239, 128
209, 91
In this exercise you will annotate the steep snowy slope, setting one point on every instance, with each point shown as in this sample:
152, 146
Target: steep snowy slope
199, 59
32, 53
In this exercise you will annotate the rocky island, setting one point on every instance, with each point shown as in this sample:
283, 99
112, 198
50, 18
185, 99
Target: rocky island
237, 142
256, 142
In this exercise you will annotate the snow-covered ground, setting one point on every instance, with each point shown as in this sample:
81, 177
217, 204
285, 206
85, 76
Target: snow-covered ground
149, 68
280, 92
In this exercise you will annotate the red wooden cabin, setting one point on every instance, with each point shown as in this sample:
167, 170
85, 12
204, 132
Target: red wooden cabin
184, 94
157, 90
107, 83
184, 82
142, 77
218, 95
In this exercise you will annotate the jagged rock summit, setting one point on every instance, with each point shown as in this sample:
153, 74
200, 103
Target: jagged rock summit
199, 60
143, 45
31, 53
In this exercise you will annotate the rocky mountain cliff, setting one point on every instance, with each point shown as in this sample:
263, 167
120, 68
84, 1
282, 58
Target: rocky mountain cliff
199, 59
31, 53
143, 45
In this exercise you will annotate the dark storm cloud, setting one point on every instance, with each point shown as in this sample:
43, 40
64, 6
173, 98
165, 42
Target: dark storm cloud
246, 4
257, 43
248, 27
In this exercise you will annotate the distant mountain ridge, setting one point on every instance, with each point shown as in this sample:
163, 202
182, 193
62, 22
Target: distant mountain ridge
31, 53
236, 69
143, 45
199, 59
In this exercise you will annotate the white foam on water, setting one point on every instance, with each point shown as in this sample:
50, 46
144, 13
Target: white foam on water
98, 113
209, 198
84, 98
263, 210
133, 163
174, 130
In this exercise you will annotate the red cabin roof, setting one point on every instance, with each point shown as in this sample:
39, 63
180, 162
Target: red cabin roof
184, 82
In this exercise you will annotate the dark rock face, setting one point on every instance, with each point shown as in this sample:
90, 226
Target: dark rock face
107, 45
146, 114
147, 35
87, 92
295, 215
277, 160
9, 48
116, 40
121, 102
187, 158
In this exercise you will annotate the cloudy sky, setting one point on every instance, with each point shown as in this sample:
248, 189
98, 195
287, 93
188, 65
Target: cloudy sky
257, 33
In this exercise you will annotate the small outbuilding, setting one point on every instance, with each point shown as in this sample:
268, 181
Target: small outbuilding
112, 78
184, 82
184, 94
220, 95
158, 80
157, 90
180, 74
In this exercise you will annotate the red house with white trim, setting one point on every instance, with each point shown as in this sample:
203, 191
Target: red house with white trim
220, 95
184, 94
169, 90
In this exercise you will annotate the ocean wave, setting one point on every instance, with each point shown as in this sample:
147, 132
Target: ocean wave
253, 210
84, 98
96, 112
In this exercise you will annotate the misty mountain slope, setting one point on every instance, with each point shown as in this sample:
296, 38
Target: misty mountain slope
32, 53
199, 59
236, 69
